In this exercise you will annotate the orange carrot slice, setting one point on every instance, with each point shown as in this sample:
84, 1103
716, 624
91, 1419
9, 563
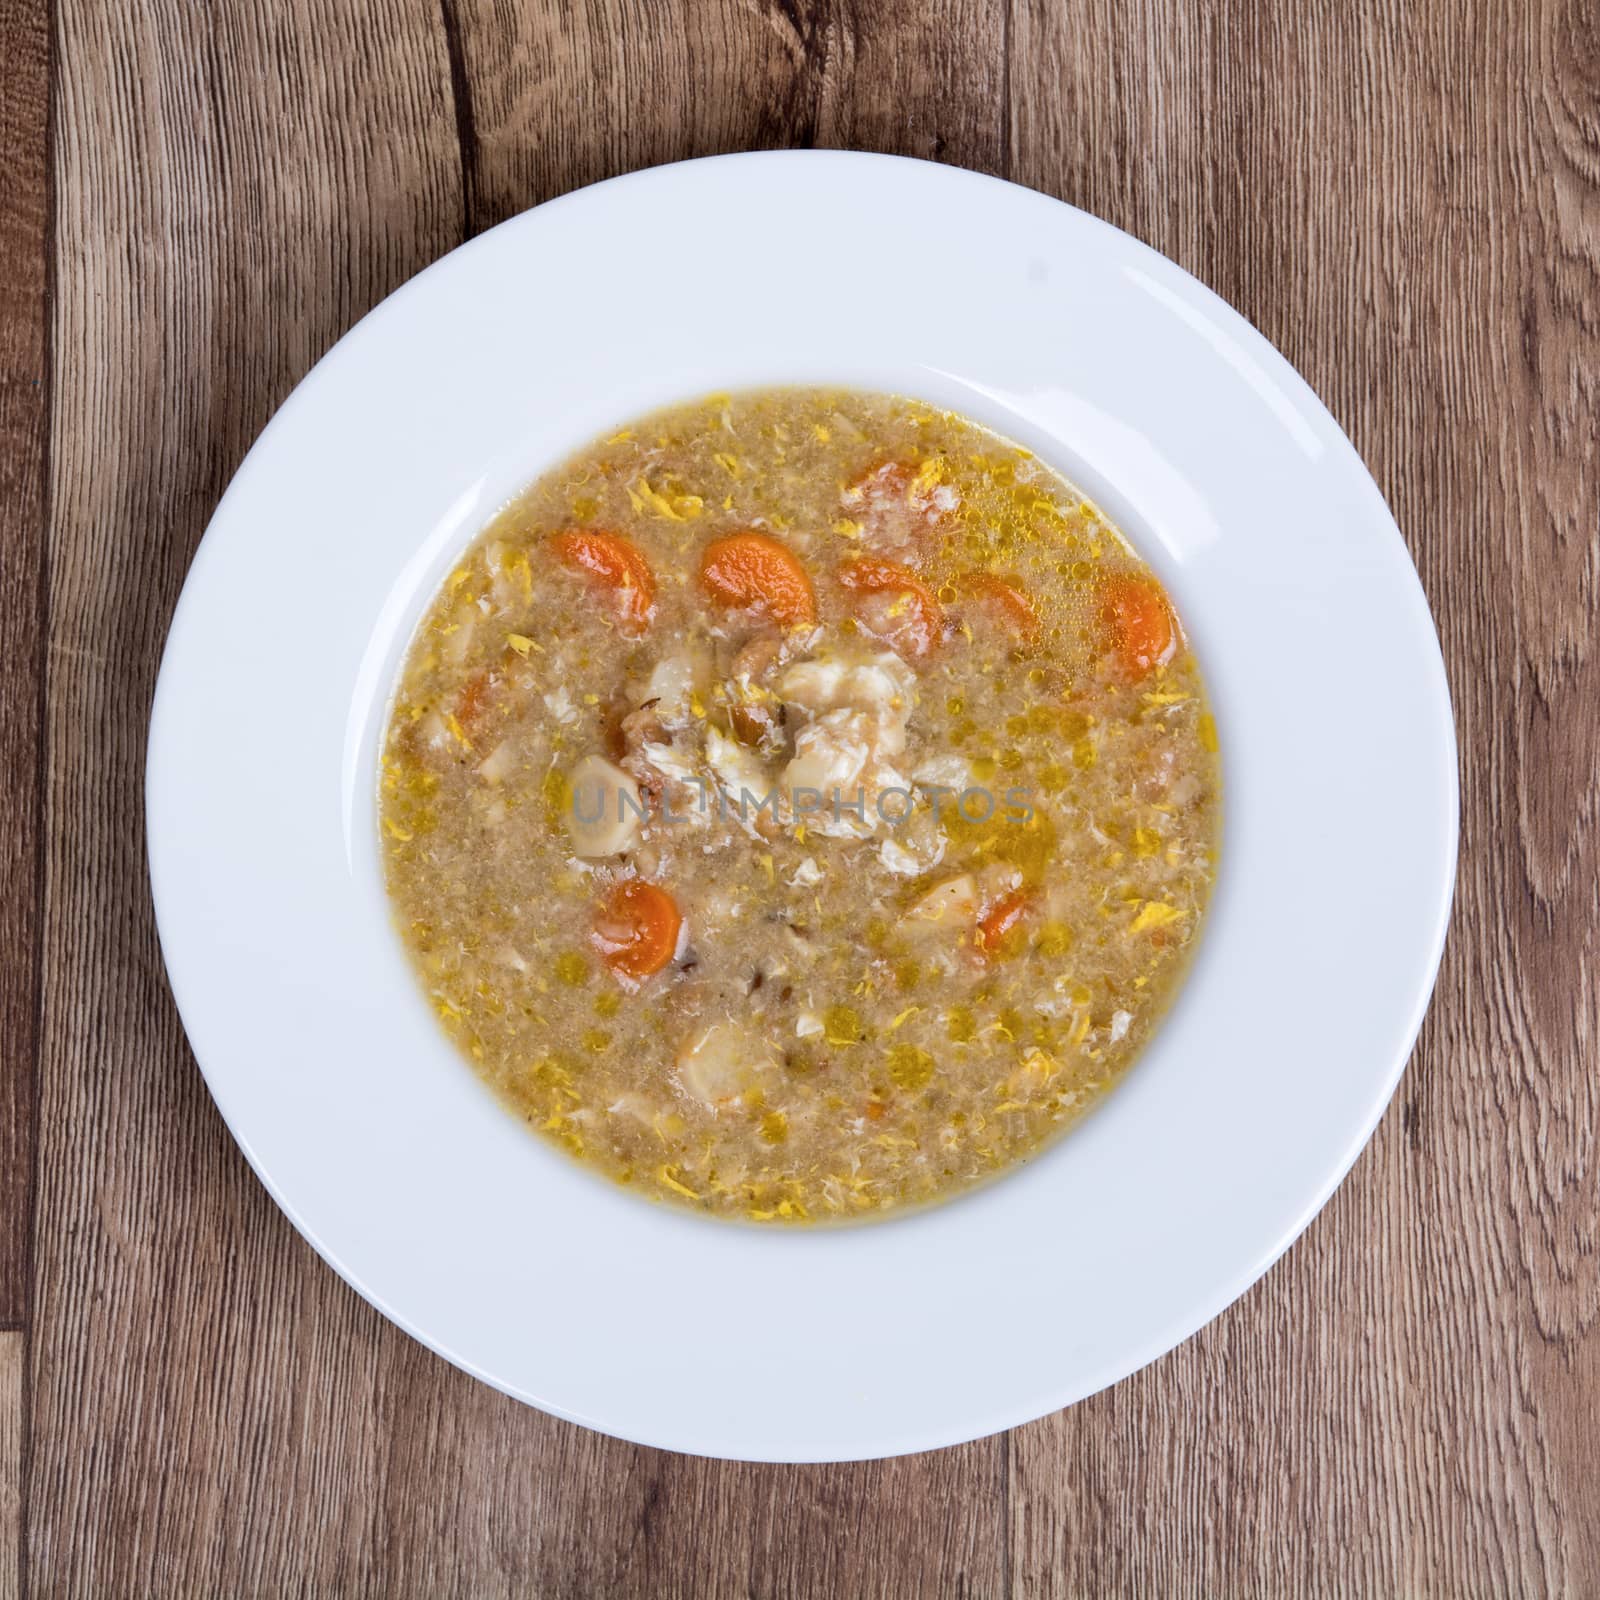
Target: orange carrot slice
473, 699
616, 564
755, 571
1001, 919
1138, 623
1002, 598
892, 488
636, 930
921, 621
885, 479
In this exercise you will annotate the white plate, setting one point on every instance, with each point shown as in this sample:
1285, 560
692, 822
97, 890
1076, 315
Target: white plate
1323, 937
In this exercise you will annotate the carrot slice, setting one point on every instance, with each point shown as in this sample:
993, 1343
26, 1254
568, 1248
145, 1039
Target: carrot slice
1002, 598
474, 696
1138, 623
617, 564
1001, 919
891, 487
921, 622
884, 481
752, 570
636, 931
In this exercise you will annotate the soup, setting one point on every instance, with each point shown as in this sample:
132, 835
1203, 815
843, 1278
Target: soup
800, 804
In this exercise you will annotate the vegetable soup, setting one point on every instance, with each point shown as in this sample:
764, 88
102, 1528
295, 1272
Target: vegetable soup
800, 804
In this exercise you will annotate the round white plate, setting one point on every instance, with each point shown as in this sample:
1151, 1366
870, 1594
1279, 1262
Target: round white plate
1322, 941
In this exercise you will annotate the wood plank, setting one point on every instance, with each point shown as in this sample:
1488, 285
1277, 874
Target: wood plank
1411, 210
24, 222
13, 1356
236, 183
558, 101
481, 1493
1409, 207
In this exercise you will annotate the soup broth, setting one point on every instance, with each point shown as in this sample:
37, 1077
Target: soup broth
800, 804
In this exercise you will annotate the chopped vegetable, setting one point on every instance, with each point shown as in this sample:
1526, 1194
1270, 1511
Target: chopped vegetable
799, 804
753, 571
618, 565
498, 765
951, 904
637, 929
473, 699
1001, 919
1138, 624
1002, 598
884, 483
724, 1064
898, 502
916, 619
603, 808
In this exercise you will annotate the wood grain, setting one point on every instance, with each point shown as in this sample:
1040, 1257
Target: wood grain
1411, 1401
12, 1360
24, 268
236, 183
1408, 203
554, 107
308, 1445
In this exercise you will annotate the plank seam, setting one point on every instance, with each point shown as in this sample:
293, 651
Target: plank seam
466, 120
1005, 90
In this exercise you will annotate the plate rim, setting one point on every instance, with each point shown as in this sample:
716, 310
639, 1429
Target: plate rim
1284, 372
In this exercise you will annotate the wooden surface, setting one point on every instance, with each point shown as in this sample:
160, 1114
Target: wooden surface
199, 198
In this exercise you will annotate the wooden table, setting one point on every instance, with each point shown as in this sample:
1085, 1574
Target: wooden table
198, 199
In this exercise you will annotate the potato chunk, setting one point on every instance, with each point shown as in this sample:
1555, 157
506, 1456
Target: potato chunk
605, 813
675, 680
724, 1063
950, 905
